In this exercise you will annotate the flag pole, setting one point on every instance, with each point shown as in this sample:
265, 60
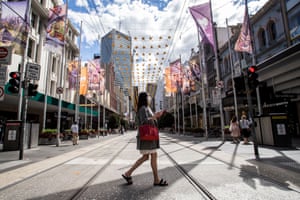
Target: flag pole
174, 103
218, 72
255, 145
77, 109
63, 61
23, 99
203, 83
232, 75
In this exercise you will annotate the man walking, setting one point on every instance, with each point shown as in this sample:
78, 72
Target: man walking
74, 129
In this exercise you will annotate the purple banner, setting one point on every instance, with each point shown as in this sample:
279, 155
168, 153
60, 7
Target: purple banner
14, 25
243, 43
202, 16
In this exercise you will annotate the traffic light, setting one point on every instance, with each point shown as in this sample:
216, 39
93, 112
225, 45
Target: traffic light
32, 89
239, 85
252, 77
14, 82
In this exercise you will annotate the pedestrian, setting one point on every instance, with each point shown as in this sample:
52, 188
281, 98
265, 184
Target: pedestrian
245, 126
74, 129
147, 148
235, 129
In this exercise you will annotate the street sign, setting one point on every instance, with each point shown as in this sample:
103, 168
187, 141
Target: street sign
244, 64
216, 96
33, 71
59, 90
3, 71
237, 69
1, 93
5, 55
220, 84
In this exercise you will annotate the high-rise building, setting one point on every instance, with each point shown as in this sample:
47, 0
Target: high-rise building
117, 59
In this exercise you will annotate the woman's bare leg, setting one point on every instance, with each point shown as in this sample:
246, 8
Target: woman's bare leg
137, 164
154, 167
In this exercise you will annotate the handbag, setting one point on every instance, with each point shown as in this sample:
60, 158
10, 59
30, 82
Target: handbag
148, 132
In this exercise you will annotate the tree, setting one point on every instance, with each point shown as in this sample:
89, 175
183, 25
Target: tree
166, 120
113, 121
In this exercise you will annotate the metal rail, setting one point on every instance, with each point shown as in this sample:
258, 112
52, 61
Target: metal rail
198, 186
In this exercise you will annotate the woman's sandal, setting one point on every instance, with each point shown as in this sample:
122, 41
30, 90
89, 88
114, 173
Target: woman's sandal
162, 182
128, 179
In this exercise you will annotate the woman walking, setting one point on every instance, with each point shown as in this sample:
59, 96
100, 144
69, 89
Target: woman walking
235, 130
245, 126
147, 148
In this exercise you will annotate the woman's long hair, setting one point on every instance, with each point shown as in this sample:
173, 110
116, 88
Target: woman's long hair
234, 119
142, 101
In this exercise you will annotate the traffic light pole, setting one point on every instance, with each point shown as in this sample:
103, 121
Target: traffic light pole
250, 112
24, 118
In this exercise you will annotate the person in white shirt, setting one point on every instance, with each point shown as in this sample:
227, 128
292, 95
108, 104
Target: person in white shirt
245, 127
74, 129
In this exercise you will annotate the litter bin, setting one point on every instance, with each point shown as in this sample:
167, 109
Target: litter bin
282, 137
12, 133
272, 130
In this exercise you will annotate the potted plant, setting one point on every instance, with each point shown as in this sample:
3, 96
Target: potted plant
48, 136
68, 134
84, 134
92, 132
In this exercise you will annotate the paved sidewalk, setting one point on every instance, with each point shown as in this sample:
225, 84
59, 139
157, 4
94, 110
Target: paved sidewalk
9, 160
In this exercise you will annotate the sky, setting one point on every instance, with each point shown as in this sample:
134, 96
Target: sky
150, 17
169, 20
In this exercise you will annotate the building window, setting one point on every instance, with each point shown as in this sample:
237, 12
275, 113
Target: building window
53, 64
30, 50
40, 27
262, 37
36, 53
52, 88
226, 65
272, 31
33, 20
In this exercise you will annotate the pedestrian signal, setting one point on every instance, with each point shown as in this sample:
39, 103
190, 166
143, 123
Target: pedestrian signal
32, 89
14, 82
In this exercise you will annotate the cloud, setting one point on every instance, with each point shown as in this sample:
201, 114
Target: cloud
138, 19
82, 3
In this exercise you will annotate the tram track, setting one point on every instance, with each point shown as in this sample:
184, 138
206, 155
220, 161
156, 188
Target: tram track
193, 181
82, 190
254, 174
88, 183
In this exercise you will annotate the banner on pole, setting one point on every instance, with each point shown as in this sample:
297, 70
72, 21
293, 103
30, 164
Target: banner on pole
14, 27
55, 36
243, 43
202, 16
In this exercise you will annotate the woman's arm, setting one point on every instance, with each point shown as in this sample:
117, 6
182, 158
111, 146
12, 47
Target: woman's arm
144, 117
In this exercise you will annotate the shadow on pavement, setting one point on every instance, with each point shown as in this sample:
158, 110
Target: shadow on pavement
142, 187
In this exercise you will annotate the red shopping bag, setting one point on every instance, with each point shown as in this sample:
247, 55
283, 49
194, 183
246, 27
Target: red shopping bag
148, 132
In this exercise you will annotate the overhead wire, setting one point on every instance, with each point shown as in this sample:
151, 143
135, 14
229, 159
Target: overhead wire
100, 28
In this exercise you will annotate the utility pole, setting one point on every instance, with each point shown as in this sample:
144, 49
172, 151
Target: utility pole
250, 114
